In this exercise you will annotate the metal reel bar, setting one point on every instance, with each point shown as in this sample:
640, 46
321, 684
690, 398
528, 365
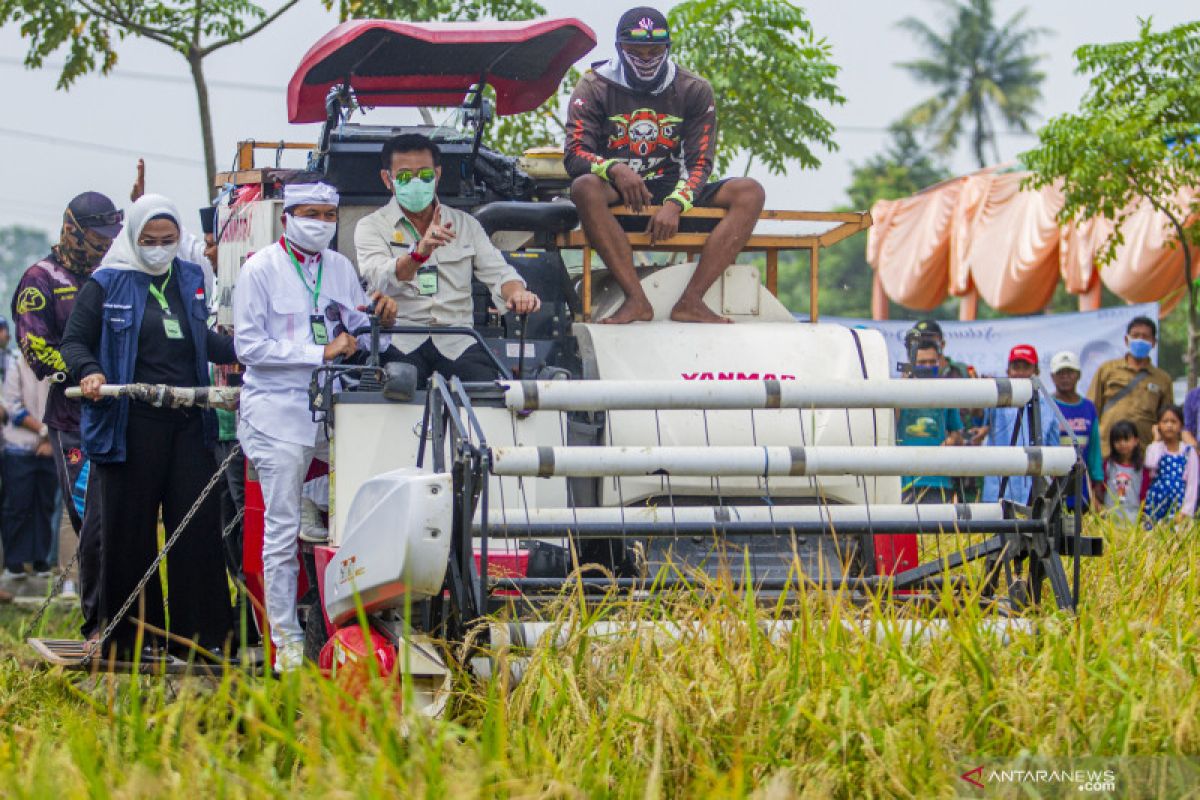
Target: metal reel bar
585, 461
616, 395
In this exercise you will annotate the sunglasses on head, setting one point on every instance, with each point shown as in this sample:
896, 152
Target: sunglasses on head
427, 174
641, 34
104, 218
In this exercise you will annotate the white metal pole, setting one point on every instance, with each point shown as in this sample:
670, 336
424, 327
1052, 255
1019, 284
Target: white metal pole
781, 461
617, 395
780, 514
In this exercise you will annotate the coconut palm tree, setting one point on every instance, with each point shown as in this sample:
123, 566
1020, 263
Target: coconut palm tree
978, 69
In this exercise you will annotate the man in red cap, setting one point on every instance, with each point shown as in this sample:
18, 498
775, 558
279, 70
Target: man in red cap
642, 131
999, 424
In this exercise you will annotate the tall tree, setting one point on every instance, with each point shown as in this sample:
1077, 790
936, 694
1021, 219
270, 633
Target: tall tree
441, 10
769, 72
91, 29
1135, 138
978, 69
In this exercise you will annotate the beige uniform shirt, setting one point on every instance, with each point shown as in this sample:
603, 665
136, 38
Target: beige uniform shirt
1141, 406
381, 238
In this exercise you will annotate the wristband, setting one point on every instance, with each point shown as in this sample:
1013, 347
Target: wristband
44, 433
601, 168
682, 195
417, 257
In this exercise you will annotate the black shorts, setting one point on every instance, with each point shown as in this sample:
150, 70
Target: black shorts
661, 190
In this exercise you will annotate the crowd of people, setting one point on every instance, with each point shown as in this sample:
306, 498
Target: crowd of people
127, 297
1137, 447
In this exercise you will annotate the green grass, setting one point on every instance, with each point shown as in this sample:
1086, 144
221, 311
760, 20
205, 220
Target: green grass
723, 710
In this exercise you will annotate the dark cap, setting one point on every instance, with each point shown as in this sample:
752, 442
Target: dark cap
3, 323
929, 326
97, 213
640, 26
208, 218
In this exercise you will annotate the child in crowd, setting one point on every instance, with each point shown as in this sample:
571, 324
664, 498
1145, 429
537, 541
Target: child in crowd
1126, 479
1174, 467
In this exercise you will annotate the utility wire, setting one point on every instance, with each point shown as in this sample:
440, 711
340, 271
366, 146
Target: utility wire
43, 138
9, 61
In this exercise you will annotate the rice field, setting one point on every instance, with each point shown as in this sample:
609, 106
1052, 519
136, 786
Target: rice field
726, 709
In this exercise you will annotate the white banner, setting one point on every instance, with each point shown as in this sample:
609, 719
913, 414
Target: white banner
1094, 336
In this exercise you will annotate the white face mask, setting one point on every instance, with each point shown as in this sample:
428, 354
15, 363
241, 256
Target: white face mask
313, 235
158, 257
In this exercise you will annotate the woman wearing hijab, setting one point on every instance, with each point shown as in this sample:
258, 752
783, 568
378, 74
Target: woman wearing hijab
142, 317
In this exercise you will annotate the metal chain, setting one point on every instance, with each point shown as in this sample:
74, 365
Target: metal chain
56, 589
62, 577
153, 569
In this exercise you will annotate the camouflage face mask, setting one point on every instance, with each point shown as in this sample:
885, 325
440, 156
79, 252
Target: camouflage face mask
80, 249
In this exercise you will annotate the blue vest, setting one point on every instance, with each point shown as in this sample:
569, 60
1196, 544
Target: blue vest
103, 424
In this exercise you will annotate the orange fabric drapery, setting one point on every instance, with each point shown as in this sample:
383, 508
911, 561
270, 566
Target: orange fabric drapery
982, 233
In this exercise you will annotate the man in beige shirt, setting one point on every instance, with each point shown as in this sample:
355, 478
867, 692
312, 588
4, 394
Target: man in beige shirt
1132, 388
424, 255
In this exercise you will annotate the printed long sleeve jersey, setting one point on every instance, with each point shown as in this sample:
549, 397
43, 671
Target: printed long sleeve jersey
668, 137
41, 306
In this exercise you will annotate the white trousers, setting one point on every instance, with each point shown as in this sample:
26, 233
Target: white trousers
281, 468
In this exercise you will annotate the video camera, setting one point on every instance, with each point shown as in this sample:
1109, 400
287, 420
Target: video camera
916, 340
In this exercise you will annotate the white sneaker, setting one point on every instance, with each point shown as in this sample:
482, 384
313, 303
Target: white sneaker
68, 593
289, 657
312, 528
12, 582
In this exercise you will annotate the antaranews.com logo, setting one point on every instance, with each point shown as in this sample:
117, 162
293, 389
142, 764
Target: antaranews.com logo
1029, 775
1084, 781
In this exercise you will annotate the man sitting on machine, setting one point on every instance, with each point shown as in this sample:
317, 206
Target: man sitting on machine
424, 254
642, 130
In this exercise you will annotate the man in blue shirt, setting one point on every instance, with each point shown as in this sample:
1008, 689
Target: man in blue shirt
928, 427
999, 424
1081, 415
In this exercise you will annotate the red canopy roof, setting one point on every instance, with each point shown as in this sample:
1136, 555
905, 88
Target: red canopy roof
393, 63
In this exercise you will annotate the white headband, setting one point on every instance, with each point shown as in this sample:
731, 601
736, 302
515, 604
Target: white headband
303, 194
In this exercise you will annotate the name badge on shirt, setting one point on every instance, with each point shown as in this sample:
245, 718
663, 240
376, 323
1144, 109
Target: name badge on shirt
171, 328
427, 280
320, 333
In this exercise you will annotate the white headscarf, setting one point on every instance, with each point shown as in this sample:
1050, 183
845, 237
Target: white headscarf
124, 252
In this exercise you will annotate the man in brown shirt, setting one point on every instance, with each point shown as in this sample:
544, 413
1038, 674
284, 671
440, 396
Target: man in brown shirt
641, 131
1131, 387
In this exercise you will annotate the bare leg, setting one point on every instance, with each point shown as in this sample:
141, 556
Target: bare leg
592, 197
743, 200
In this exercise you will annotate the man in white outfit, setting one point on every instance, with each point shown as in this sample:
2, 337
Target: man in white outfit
295, 304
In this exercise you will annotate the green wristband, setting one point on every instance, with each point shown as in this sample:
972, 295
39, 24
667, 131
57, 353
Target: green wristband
601, 169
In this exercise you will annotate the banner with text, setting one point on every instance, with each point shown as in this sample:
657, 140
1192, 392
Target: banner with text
1094, 336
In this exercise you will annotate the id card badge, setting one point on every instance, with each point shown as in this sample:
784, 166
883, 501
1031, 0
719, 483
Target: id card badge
319, 332
427, 281
171, 328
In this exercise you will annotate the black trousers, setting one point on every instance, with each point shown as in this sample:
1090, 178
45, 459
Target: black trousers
473, 365
166, 467
25, 522
74, 481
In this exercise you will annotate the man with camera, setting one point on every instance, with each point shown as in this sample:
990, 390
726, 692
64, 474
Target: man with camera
927, 427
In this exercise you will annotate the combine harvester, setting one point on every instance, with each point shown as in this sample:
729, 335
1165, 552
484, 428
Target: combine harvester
762, 452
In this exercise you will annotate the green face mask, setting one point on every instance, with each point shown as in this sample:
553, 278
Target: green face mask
415, 195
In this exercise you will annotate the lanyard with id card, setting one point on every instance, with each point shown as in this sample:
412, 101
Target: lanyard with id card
171, 326
316, 320
427, 274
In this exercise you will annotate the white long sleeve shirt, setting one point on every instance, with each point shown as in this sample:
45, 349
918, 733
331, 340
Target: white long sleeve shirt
381, 238
272, 311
